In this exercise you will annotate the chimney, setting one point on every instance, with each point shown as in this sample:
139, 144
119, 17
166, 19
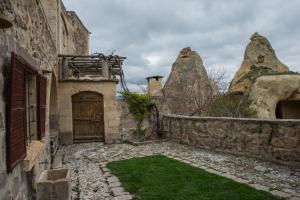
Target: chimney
154, 85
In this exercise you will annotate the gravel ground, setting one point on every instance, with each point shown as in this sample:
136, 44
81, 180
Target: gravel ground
88, 181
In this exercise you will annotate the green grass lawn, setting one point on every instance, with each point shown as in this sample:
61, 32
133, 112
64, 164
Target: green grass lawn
159, 177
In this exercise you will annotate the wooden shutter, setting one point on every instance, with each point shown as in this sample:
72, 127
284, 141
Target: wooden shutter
41, 103
16, 114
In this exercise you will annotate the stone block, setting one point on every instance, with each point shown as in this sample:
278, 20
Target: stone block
54, 184
66, 138
1, 121
123, 197
284, 154
103, 164
280, 194
112, 179
260, 187
114, 184
2, 151
3, 182
117, 191
284, 131
107, 174
286, 142
104, 169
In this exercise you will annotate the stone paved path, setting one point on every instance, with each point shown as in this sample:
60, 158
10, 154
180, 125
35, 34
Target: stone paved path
88, 181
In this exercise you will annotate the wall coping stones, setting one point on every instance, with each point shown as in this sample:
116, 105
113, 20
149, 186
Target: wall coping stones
277, 141
230, 118
88, 80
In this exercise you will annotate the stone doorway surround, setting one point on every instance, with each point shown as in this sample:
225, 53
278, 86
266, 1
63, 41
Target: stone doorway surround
88, 116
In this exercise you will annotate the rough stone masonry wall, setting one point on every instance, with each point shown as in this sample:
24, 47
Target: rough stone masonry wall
272, 140
30, 38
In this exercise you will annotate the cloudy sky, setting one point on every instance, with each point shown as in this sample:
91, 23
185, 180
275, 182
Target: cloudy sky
151, 33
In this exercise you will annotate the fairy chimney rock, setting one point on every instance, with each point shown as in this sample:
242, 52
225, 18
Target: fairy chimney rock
259, 59
187, 88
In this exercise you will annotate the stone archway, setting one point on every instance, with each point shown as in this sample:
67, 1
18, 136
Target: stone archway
88, 116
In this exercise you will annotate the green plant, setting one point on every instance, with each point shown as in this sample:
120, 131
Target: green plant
231, 105
139, 106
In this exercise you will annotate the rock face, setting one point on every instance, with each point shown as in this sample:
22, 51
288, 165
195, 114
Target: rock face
188, 88
259, 59
269, 90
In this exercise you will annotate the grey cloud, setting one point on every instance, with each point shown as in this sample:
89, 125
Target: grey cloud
151, 33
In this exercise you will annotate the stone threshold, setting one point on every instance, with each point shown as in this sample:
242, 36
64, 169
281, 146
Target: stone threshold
120, 194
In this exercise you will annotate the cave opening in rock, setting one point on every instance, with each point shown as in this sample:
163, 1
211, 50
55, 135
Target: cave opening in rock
288, 109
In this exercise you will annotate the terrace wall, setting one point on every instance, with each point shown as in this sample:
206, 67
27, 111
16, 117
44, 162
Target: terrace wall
271, 140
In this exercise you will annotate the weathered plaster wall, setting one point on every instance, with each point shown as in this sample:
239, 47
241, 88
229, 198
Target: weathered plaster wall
272, 140
30, 37
111, 117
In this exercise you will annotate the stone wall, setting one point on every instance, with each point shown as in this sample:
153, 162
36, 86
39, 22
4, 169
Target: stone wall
78, 35
272, 140
73, 34
29, 37
67, 88
128, 124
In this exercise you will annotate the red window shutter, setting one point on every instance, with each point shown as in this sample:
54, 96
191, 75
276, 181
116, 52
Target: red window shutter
41, 102
16, 114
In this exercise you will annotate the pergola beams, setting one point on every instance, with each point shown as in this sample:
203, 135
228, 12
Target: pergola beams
99, 64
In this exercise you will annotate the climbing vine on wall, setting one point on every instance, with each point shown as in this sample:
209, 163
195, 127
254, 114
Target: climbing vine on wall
139, 106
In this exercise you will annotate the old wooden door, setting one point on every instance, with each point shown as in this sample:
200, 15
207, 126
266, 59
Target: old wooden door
88, 116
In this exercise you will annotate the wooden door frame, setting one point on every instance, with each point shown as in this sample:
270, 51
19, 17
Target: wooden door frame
72, 101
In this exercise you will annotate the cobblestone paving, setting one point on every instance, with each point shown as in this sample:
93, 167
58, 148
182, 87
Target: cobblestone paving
88, 181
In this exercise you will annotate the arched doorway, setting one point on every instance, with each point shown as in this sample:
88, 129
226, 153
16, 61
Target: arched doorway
288, 109
88, 116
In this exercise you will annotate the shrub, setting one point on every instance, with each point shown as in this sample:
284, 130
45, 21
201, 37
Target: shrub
231, 105
139, 106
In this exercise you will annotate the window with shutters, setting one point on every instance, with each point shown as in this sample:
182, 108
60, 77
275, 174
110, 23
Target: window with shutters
25, 110
31, 106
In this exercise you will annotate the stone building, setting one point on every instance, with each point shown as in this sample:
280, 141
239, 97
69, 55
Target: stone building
36, 38
154, 86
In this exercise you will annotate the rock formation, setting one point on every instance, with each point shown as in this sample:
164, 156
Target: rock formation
259, 59
188, 89
269, 90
